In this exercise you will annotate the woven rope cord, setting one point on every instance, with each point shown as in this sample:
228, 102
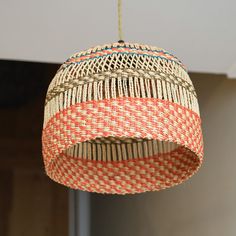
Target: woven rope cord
120, 32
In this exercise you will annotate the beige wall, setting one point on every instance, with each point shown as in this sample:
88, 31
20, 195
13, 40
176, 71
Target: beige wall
206, 204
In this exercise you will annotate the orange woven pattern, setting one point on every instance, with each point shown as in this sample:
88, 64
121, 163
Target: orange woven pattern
125, 177
131, 117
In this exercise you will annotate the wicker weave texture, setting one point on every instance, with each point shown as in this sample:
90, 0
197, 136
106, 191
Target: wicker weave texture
122, 118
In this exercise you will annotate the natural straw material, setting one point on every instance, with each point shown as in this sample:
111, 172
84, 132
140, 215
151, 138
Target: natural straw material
122, 118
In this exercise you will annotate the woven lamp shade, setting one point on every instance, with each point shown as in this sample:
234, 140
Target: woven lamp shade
121, 118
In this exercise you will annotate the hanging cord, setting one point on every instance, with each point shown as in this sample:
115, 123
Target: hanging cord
120, 22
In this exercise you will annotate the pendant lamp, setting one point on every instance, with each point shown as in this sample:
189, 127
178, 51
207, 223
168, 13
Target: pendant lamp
121, 118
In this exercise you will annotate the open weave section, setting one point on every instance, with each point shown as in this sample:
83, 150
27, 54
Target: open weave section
115, 70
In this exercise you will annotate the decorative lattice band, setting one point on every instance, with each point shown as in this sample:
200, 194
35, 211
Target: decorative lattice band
126, 48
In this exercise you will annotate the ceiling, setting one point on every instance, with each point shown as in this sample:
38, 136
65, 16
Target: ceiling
201, 33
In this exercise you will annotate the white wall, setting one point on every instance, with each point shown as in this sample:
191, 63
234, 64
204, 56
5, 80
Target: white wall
206, 204
201, 33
